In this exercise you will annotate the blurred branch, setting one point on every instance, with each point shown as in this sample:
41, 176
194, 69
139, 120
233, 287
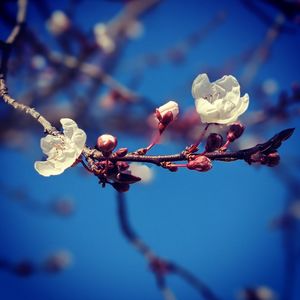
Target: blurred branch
160, 267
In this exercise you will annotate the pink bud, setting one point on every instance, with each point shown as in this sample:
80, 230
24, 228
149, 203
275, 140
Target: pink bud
106, 143
121, 152
121, 187
200, 164
273, 159
122, 165
167, 112
235, 131
213, 142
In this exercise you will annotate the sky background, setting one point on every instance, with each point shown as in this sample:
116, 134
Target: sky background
216, 224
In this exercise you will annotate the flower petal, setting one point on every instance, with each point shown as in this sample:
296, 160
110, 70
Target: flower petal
69, 127
47, 143
201, 86
79, 139
46, 168
207, 111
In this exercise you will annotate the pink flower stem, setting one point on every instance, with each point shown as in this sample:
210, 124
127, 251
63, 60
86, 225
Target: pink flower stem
178, 165
225, 146
155, 140
197, 143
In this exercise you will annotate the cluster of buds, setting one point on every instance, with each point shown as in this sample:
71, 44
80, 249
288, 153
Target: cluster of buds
116, 173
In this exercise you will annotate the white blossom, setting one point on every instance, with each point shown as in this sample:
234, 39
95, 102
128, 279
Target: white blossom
58, 22
103, 38
62, 150
219, 101
171, 106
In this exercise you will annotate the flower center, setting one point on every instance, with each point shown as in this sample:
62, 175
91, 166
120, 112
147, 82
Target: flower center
212, 97
59, 147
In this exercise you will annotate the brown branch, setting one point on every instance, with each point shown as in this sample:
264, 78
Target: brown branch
22, 5
6, 46
26, 109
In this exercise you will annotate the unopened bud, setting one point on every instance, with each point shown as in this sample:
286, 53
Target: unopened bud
167, 118
173, 169
257, 157
200, 164
235, 131
106, 143
127, 178
122, 165
213, 142
121, 187
121, 152
273, 159
167, 112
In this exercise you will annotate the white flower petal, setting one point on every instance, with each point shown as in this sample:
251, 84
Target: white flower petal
171, 106
243, 104
228, 82
79, 139
46, 168
201, 86
47, 143
219, 101
69, 127
207, 111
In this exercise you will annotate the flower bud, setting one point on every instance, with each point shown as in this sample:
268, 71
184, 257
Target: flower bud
106, 143
122, 165
257, 157
273, 159
235, 131
167, 112
121, 187
127, 178
200, 164
121, 152
213, 142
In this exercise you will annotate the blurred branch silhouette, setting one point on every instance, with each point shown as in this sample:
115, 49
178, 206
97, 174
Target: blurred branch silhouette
159, 266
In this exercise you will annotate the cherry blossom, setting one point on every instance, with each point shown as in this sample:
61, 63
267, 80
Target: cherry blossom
62, 150
219, 101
